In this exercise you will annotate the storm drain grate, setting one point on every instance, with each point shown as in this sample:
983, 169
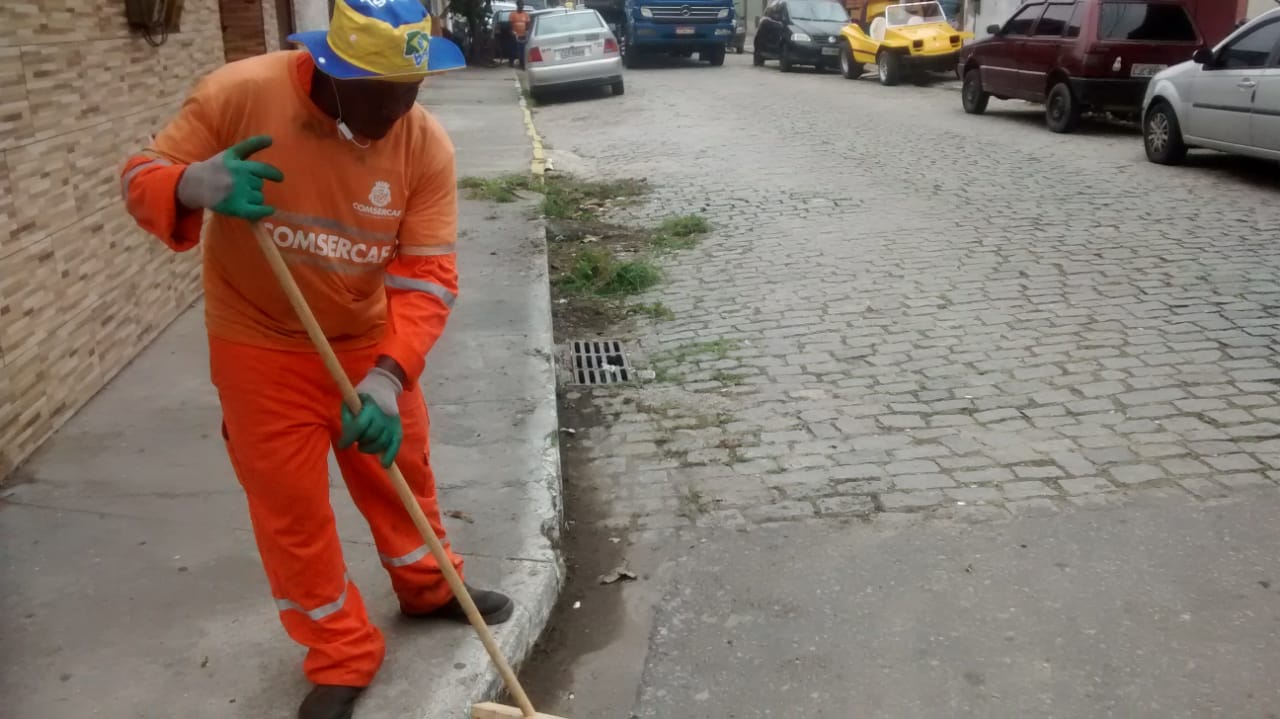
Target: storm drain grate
599, 362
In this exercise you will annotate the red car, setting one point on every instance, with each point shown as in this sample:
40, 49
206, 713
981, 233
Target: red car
1086, 55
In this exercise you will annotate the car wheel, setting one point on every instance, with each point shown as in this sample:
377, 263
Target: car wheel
972, 95
1061, 110
618, 88
1162, 135
850, 69
889, 66
757, 58
715, 56
784, 60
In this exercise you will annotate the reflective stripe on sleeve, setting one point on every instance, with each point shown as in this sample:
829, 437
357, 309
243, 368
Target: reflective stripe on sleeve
319, 612
431, 288
426, 250
133, 171
405, 559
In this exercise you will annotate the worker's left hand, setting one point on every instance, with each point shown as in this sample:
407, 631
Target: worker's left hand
376, 429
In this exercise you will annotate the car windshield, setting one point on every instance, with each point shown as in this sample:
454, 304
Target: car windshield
1148, 22
555, 24
916, 13
820, 10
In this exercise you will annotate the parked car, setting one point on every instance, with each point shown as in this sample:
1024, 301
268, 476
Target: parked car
900, 37
739, 42
800, 32
676, 28
1227, 98
1075, 57
571, 48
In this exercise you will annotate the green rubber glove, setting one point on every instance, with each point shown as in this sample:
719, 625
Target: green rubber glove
230, 184
376, 429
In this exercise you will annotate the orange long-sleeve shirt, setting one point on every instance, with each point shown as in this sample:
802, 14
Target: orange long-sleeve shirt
369, 233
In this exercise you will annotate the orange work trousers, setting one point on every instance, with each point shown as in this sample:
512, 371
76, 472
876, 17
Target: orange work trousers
280, 419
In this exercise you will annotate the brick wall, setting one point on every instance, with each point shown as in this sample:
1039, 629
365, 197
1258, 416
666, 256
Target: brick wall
82, 290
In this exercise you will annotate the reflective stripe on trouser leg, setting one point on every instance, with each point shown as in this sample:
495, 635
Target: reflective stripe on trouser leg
279, 413
320, 612
415, 575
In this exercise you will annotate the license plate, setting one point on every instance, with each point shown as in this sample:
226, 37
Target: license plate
830, 51
685, 31
1145, 70
569, 52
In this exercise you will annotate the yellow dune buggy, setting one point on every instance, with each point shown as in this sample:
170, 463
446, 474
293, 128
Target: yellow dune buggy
898, 37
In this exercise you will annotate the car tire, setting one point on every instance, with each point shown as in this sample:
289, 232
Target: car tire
784, 60
1162, 135
1061, 111
972, 96
889, 68
618, 88
715, 56
851, 69
757, 57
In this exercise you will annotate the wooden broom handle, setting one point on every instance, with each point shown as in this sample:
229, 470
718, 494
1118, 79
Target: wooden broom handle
352, 400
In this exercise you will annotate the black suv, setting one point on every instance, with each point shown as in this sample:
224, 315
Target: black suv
801, 32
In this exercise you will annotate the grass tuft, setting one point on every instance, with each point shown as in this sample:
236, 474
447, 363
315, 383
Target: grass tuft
656, 310
680, 232
567, 198
595, 271
496, 189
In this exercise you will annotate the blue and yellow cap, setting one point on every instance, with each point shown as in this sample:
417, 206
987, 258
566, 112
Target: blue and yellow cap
380, 39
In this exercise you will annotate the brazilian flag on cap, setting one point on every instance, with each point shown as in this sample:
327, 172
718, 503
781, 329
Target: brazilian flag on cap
382, 39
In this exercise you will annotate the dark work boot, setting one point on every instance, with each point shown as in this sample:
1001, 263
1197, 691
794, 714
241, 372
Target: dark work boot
495, 607
329, 701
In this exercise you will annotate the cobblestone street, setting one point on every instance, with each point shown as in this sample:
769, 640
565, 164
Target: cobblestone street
904, 307
932, 379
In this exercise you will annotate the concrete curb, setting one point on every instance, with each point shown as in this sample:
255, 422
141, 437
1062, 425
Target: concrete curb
541, 162
537, 597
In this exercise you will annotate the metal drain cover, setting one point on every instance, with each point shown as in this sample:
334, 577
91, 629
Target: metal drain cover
596, 362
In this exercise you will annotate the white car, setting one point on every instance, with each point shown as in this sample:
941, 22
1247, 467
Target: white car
571, 49
1227, 98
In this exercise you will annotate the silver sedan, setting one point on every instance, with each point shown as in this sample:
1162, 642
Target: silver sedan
1226, 99
571, 49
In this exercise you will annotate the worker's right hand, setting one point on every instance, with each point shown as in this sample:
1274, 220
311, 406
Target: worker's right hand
230, 184
376, 428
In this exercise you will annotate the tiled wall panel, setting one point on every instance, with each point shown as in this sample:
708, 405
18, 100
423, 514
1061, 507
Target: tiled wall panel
82, 289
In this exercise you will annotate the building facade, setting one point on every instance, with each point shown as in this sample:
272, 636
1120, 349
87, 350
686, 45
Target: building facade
82, 289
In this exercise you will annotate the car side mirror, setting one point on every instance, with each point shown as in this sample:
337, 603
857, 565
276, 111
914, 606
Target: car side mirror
993, 29
1203, 56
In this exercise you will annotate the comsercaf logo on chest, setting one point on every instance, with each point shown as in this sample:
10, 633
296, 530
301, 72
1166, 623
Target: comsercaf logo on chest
376, 205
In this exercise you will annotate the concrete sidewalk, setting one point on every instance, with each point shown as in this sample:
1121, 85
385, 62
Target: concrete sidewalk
129, 581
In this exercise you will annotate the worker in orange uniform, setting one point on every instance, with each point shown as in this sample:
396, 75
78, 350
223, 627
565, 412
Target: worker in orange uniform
355, 183
520, 30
